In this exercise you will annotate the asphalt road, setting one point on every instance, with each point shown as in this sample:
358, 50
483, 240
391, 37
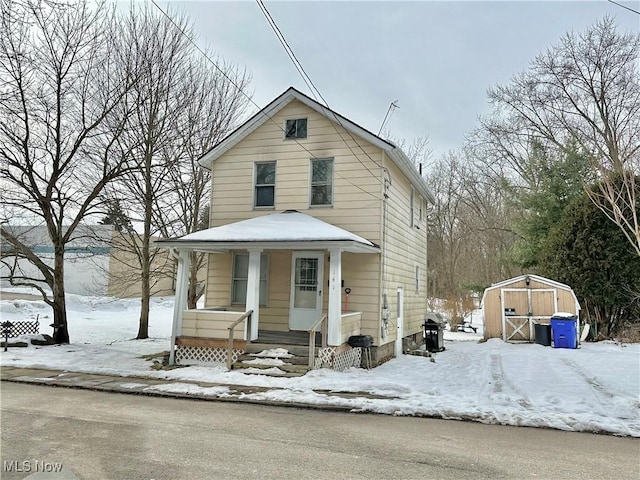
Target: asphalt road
115, 436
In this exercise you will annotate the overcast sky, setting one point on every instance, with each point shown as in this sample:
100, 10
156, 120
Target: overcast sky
437, 59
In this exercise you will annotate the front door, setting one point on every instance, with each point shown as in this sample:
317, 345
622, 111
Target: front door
306, 289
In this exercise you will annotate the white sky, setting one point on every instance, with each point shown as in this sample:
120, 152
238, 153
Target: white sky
436, 58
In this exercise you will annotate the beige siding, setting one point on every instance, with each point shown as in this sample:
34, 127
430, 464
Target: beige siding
125, 270
541, 302
359, 173
210, 324
361, 273
357, 178
405, 249
350, 326
219, 280
357, 208
275, 316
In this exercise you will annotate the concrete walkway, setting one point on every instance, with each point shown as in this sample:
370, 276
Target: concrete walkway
157, 387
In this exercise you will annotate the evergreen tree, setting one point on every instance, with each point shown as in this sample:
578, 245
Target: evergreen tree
558, 180
117, 217
590, 253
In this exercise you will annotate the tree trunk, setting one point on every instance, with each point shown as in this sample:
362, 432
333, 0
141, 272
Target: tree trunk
145, 287
60, 330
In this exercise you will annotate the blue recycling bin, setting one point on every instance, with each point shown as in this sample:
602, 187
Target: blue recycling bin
565, 332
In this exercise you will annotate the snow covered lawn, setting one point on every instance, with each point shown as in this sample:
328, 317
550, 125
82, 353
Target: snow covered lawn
595, 388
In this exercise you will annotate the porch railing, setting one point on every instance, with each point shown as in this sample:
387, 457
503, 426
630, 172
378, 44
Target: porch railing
247, 315
312, 339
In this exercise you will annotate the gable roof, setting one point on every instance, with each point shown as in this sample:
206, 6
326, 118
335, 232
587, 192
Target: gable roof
273, 231
395, 153
537, 278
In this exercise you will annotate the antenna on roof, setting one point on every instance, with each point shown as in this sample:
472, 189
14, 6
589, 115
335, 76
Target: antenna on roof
392, 106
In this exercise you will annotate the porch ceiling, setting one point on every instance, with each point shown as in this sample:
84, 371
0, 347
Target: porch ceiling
289, 230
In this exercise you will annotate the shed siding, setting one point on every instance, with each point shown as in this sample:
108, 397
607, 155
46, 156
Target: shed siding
542, 303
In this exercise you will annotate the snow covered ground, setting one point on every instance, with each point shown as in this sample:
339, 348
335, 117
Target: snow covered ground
594, 388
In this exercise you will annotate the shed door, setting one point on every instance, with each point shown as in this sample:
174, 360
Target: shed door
522, 307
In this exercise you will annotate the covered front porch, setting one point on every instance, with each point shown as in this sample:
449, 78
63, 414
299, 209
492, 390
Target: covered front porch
282, 277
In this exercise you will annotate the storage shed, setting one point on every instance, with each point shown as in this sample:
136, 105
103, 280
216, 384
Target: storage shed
512, 307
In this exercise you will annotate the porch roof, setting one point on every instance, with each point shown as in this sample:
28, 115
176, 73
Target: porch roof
287, 230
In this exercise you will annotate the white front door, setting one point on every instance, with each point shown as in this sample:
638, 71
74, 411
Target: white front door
306, 289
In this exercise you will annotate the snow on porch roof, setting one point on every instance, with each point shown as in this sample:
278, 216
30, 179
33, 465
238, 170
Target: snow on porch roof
284, 228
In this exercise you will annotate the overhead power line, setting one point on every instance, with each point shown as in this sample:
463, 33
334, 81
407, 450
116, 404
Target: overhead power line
315, 91
262, 111
624, 6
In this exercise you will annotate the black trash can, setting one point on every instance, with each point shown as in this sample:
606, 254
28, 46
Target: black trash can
543, 334
433, 336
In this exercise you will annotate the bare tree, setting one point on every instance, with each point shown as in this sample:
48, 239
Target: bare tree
184, 105
213, 101
470, 232
585, 91
62, 85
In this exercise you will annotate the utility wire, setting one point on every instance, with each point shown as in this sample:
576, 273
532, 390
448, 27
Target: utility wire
314, 90
239, 89
624, 6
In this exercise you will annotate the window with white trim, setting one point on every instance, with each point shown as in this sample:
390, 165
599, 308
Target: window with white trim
421, 208
241, 277
295, 128
265, 184
321, 181
417, 278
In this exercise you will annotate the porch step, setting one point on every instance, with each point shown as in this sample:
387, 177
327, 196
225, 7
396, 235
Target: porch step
273, 370
294, 360
297, 350
276, 360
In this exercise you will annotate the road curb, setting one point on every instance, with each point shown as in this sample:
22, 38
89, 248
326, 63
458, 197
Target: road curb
40, 381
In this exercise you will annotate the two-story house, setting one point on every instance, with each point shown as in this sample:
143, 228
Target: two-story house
317, 225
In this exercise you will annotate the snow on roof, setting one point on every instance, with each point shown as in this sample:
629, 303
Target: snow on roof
288, 226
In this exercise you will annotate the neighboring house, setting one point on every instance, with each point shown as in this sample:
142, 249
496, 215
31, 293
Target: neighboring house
96, 262
512, 307
306, 206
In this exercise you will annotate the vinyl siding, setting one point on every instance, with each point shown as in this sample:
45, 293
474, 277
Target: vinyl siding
357, 187
357, 207
405, 247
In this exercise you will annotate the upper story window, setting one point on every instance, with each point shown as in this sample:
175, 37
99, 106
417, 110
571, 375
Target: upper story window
265, 184
421, 216
296, 128
321, 181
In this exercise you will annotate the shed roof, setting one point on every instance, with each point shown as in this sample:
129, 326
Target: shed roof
395, 153
537, 278
279, 230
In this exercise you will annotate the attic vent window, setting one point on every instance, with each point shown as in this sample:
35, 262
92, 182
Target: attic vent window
296, 128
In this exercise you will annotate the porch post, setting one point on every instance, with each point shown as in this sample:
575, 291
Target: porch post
253, 293
180, 299
335, 297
